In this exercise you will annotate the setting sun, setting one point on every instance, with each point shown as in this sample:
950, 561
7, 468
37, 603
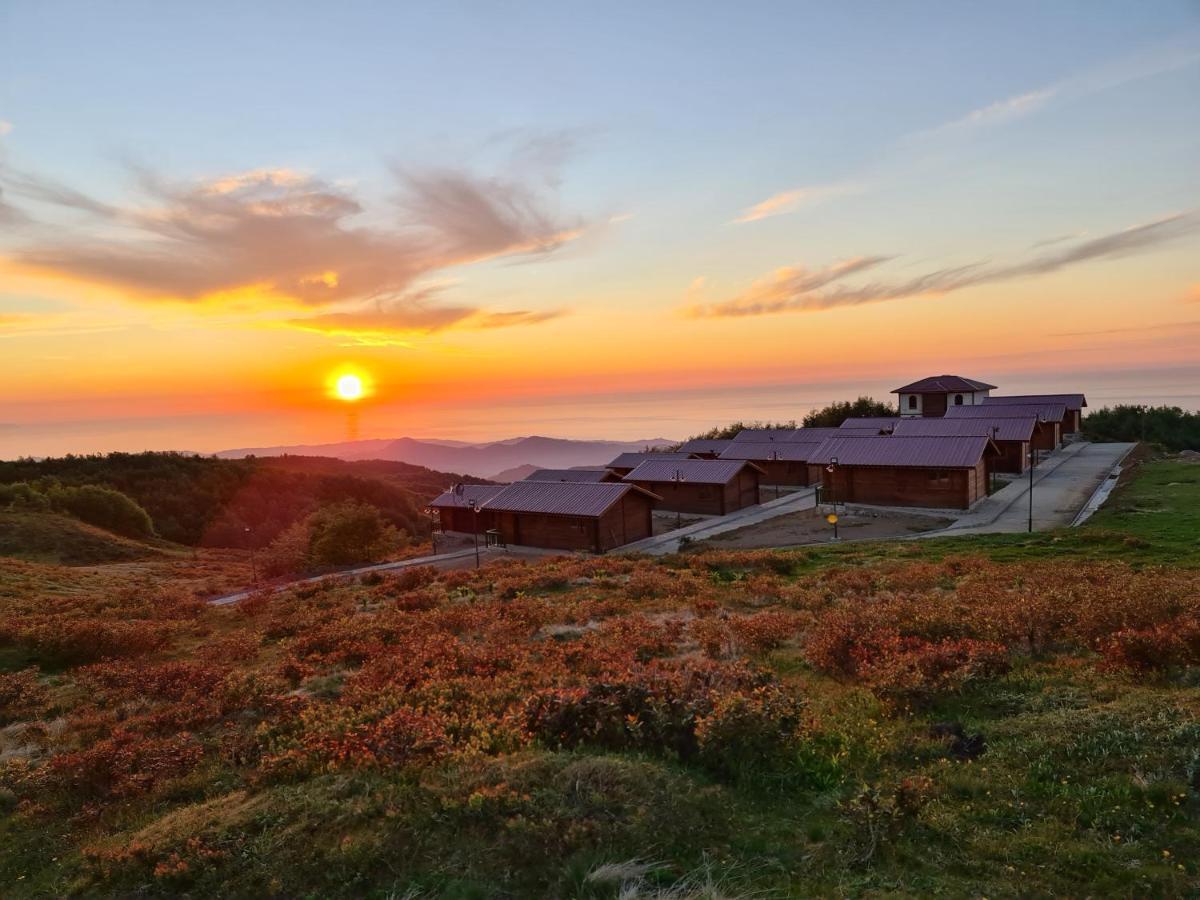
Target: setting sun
349, 387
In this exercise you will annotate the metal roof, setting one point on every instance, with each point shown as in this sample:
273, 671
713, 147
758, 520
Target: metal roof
480, 493
904, 452
1047, 412
948, 384
880, 422
786, 451
629, 460
558, 498
695, 471
764, 435
1070, 401
815, 434
704, 445
584, 476
1009, 429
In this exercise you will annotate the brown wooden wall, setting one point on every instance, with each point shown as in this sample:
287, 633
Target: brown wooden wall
630, 520
1014, 457
781, 471
626, 522
896, 486
1049, 438
933, 405
464, 520
706, 499
553, 532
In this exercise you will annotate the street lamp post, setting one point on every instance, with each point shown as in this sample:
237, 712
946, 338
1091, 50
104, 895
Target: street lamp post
253, 565
1031, 452
831, 468
773, 456
678, 478
475, 529
433, 523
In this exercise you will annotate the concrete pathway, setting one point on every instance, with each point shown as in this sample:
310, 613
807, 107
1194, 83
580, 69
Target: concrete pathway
1062, 487
751, 515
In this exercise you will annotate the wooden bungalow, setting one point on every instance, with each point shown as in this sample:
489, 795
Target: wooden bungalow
1074, 403
938, 472
627, 462
781, 462
934, 395
1049, 415
581, 476
707, 486
1012, 437
704, 448
572, 516
456, 508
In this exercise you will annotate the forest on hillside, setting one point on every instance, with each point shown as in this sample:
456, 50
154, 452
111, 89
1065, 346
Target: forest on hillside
205, 501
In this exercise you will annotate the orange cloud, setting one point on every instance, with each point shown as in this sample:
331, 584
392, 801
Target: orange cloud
275, 233
796, 289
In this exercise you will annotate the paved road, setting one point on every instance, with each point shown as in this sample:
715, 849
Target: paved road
1061, 489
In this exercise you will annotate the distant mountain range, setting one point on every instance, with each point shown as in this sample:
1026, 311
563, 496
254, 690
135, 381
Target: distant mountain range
491, 460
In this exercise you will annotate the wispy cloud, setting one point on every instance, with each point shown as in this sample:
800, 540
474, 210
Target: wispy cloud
290, 236
797, 289
792, 200
5, 127
1126, 70
415, 314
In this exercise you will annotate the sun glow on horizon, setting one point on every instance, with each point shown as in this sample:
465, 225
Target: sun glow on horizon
349, 387
349, 384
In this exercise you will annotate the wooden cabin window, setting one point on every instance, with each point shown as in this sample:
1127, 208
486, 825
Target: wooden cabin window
912, 402
939, 478
705, 493
958, 399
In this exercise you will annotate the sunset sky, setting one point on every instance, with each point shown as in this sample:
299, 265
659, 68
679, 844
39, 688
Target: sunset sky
583, 220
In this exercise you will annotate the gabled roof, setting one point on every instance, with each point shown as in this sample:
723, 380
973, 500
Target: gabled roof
1008, 429
629, 460
558, 498
583, 476
1047, 412
461, 495
704, 445
692, 471
1070, 401
905, 452
880, 422
786, 451
943, 384
765, 435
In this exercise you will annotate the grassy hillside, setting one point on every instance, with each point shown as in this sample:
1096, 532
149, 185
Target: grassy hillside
53, 538
985, 717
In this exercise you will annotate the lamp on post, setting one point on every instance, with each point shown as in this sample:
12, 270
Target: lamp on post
677, 477
995, 437
475, 529
433, 523
773, 456
1032, 463
253, 566
831, 468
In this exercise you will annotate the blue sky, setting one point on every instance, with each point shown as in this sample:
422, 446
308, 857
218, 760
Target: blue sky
922, 136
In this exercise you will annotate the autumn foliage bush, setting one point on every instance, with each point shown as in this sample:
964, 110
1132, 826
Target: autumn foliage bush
152, 691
